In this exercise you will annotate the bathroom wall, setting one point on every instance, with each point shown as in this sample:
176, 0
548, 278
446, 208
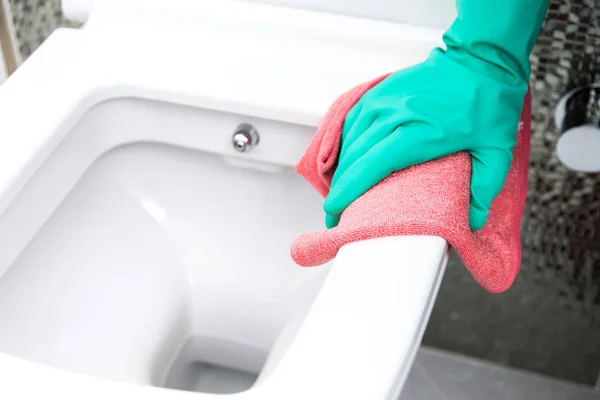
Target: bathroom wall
34, 21
549, 322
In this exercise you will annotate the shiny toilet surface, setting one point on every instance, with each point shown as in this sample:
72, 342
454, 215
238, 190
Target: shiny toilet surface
154, 247
146, 244
135, 256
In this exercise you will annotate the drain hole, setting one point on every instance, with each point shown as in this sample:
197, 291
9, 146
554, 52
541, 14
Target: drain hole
217, 367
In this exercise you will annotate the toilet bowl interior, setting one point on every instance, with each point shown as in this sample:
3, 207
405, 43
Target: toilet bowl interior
146, 249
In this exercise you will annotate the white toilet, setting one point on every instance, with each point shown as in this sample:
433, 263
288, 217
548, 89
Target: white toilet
144, 254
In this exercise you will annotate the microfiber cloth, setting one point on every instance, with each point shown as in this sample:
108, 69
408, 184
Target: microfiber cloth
427, 199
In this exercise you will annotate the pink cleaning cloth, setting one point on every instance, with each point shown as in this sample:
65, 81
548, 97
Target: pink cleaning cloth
427, 199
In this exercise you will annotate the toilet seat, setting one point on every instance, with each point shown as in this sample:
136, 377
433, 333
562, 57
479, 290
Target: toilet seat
77, 69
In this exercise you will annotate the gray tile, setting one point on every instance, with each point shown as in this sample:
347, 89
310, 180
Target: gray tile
528, 327
34, 21
443, 376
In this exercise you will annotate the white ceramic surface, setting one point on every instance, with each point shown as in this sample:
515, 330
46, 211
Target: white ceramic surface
129, 224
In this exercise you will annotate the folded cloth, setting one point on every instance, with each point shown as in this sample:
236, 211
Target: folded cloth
426, 199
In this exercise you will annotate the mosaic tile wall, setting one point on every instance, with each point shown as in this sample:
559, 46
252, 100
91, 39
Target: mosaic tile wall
34, 21
549, 322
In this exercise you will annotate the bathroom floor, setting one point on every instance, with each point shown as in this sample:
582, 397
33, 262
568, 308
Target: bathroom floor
529, 327
438, 375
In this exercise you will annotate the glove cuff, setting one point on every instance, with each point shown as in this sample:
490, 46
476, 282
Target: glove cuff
496, 36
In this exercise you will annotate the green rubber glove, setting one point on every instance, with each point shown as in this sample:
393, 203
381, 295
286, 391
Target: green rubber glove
465, 98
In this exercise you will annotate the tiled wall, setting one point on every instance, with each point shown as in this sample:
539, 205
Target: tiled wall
549, 322
34, 21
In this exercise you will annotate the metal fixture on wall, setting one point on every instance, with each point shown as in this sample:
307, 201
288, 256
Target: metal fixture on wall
577, 120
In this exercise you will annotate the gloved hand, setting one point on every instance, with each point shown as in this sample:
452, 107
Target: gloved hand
468, 97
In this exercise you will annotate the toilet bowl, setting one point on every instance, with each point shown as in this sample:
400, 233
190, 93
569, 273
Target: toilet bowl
144, 253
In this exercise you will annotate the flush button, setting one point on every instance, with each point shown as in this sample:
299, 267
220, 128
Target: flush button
245, 138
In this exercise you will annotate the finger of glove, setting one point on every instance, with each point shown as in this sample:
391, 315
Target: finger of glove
369, 137
331, 221
489, 170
